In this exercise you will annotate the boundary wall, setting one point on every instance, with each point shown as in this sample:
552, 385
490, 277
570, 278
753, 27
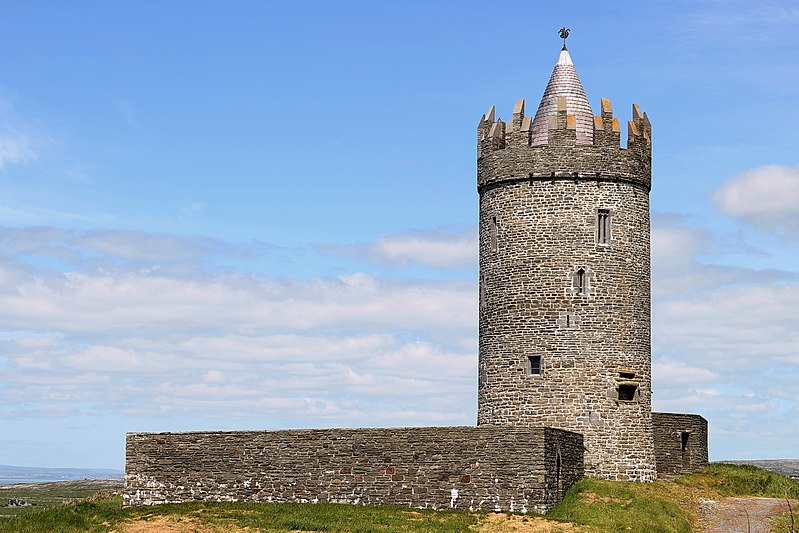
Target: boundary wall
680, 443
466, 467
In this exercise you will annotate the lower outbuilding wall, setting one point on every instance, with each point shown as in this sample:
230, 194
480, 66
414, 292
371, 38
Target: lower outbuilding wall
495, 468
680, 443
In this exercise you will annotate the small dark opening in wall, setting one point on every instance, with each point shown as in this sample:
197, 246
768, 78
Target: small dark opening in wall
534, 365
627, 375
627, 392
579, 281
684, 440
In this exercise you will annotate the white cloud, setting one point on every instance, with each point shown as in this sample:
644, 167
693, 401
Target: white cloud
767, 197
438, 249
120, 250
131, 301
143, 246
677, 268
149, 342
207, 377
725, 343
17, 142
674, 268
357, 349
15, 148
675, 374
748, 326
716, 324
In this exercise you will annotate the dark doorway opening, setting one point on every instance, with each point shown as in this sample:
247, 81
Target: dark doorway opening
684, 440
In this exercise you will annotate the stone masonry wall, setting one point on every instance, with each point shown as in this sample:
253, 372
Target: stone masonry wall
680, 443
446, 467
539, 208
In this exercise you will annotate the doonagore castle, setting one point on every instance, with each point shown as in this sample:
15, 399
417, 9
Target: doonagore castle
564, 374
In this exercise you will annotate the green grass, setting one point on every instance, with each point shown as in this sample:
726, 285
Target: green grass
42, 495
598, 506
104, 513
741, 480
785, 523
87, 515
322, 517
667, 507
617, 506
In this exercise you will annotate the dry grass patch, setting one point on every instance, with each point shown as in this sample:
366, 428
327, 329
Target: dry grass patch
172, 524
592, 497
510, 523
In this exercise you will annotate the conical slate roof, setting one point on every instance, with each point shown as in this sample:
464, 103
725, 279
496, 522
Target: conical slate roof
564, 82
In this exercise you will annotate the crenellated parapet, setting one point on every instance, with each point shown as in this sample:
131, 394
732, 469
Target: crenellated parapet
505, 152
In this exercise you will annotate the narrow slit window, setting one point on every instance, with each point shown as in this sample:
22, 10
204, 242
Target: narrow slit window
494, 234
558, 464
579, 281
603, 226
534, 365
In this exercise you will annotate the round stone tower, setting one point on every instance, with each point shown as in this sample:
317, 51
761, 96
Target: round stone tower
565, 275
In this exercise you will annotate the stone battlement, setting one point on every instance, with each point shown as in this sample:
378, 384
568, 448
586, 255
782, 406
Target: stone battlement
505, 152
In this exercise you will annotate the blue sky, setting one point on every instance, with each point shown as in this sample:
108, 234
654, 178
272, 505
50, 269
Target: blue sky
263, 215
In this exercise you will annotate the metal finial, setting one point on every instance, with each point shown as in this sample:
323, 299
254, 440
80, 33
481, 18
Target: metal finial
564, 34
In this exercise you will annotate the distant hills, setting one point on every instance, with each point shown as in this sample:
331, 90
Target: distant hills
35, 472
786, 467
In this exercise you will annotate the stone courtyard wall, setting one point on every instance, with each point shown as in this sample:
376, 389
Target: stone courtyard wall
680, 443
517, 469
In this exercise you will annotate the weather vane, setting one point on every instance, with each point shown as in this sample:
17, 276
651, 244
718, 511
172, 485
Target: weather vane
564, 34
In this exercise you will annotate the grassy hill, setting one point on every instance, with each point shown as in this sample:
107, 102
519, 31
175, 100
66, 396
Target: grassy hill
590, 506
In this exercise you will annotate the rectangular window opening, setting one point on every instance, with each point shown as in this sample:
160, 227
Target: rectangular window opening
627, 375
627, 392
534, 365
603, 226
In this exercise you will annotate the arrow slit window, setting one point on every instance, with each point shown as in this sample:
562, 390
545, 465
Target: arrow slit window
494, 234
579, 282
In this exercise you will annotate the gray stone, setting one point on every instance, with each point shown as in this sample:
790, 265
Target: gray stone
521, 469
